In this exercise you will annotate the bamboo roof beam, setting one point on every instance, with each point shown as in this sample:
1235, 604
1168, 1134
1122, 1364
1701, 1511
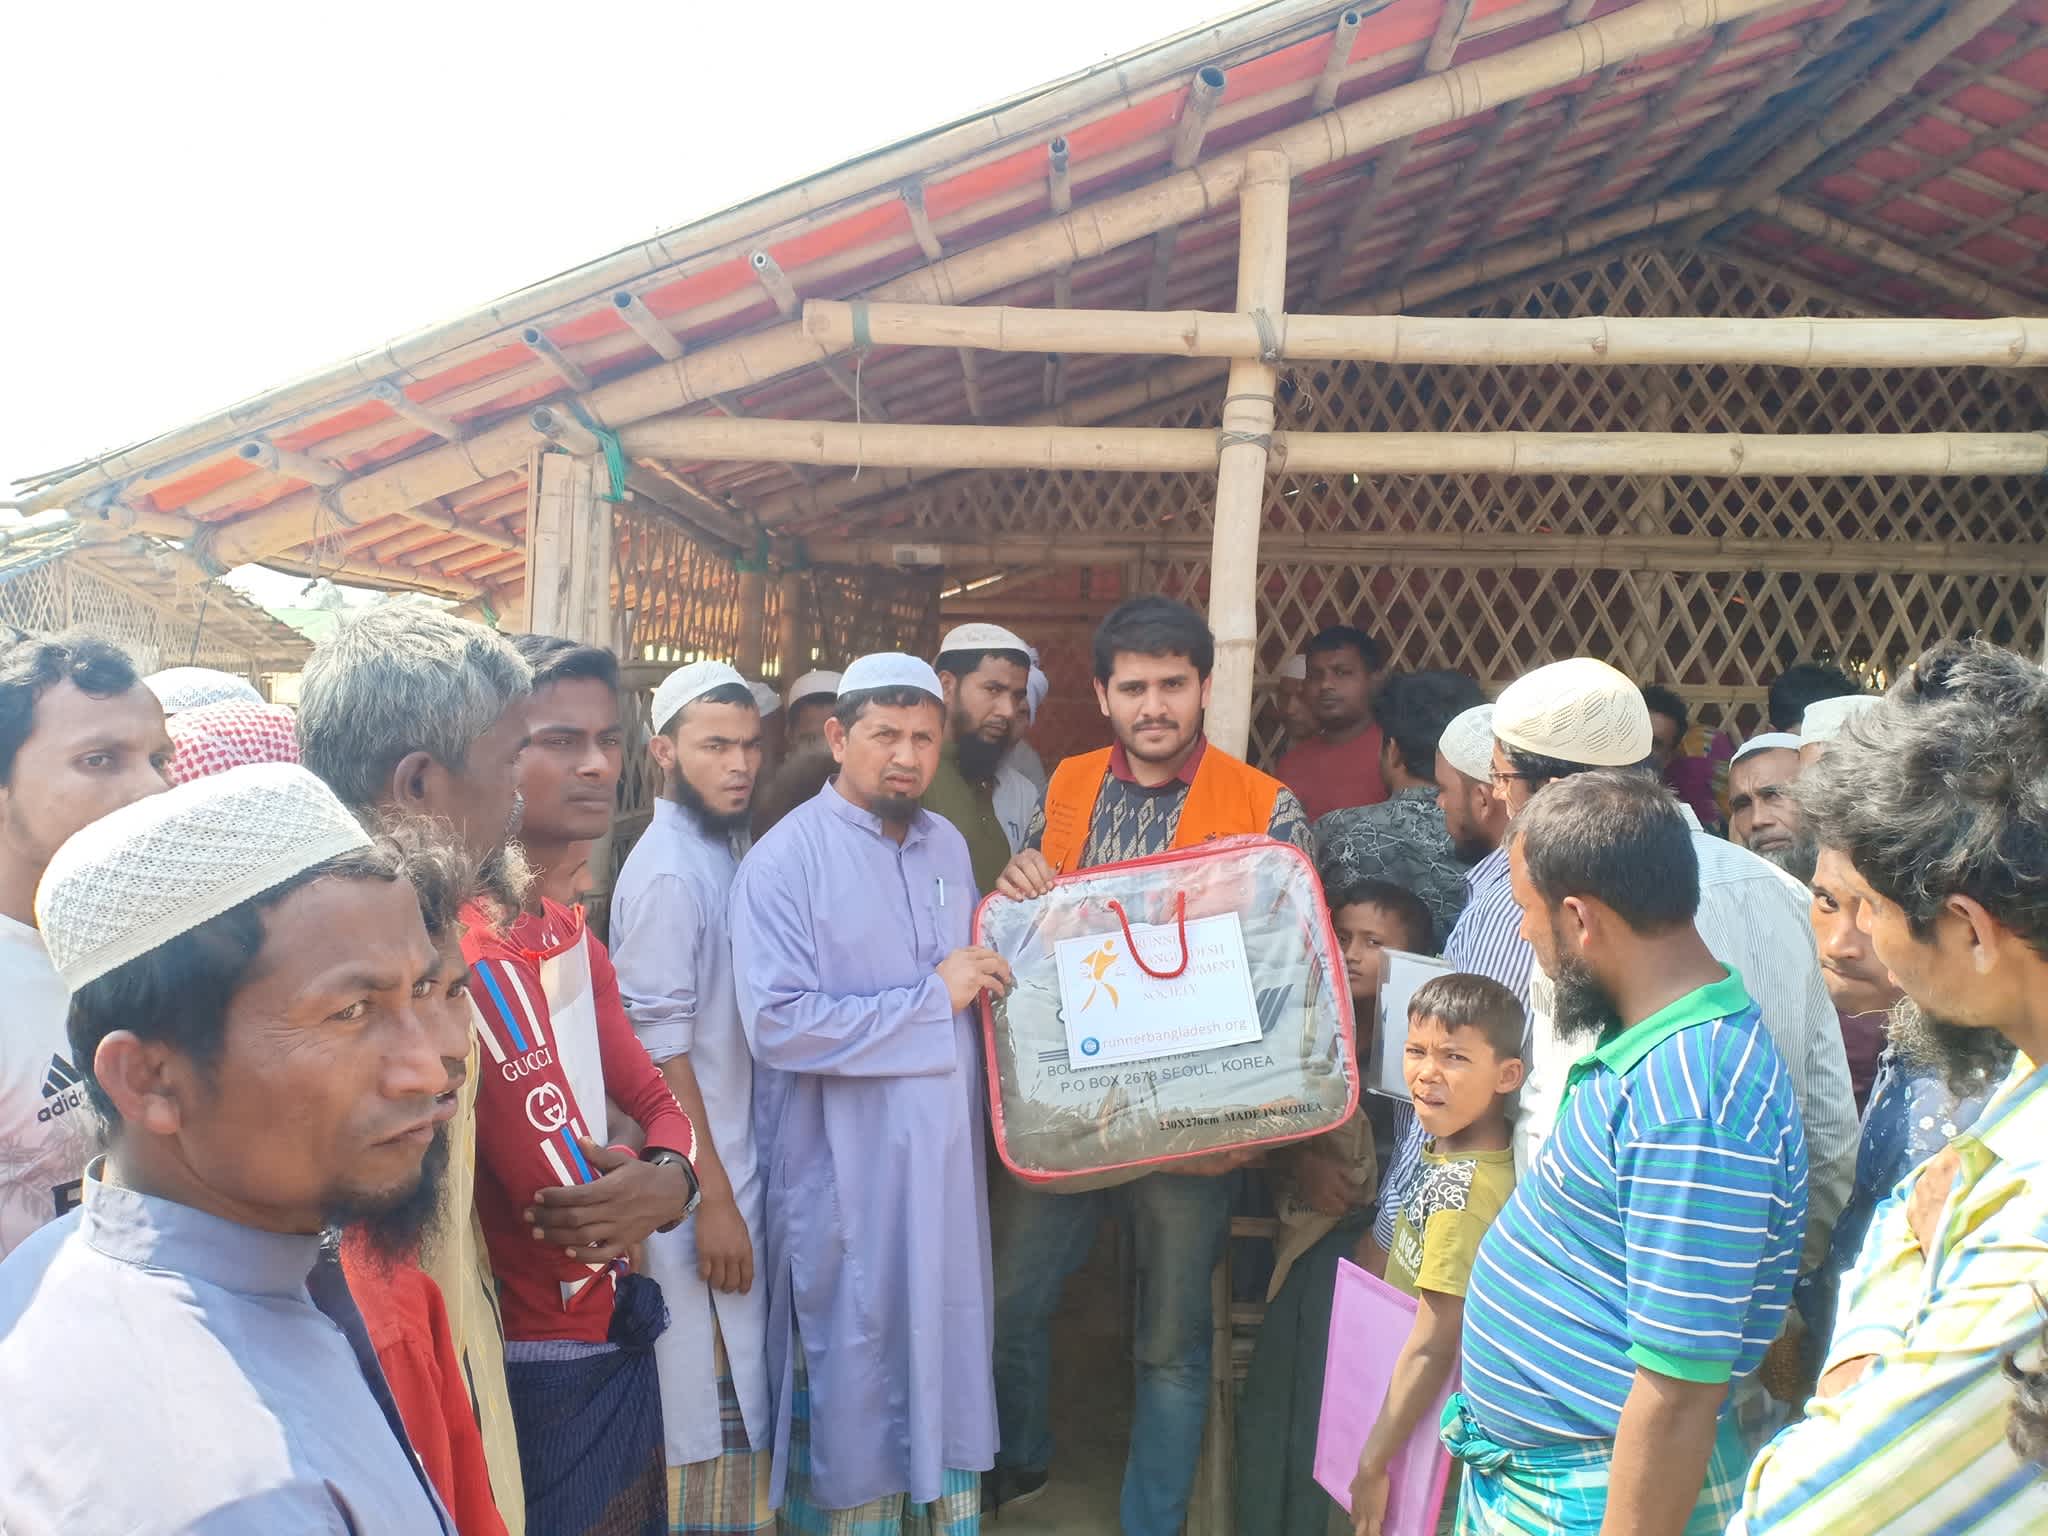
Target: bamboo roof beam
1387, 166
921, 229
708, 518
779, 288
1951, 242
1178, 450
426, 418
1517, 551
1898, 74
1104, 224
646, 324
1204, 92
1331, 80
1431, 224
1593, 340
558, 362
815, 504
1981, 293
285, 464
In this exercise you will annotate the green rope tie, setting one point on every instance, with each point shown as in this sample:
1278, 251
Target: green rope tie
614, 455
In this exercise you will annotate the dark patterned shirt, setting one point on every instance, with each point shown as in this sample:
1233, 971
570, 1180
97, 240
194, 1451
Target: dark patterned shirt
1401, 840
1134, 822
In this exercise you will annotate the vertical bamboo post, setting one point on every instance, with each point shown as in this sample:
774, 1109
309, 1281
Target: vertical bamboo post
1241, 466
1646, 644
753, 619
789, 641
569, 552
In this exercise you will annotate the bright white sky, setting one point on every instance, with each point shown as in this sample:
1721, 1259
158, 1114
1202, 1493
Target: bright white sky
204, 201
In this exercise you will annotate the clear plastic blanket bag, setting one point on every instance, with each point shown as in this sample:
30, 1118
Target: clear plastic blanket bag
1167, 1008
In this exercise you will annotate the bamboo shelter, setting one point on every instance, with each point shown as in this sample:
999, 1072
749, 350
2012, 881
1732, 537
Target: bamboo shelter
143, 595
1702, 335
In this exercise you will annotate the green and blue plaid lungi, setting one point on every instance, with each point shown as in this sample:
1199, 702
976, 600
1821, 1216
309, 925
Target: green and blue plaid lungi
956, 1511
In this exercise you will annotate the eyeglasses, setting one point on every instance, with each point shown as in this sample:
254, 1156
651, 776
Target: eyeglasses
1502, 780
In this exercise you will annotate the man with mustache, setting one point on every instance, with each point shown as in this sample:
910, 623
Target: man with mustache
1762, 814
561, 1210
986, 672
408, 711
246, 970
857, 984
1935, 799
1162, 785
671, 940
1647, 1258
1339, 766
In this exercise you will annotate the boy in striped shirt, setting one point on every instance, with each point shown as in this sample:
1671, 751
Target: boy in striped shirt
1647, 1256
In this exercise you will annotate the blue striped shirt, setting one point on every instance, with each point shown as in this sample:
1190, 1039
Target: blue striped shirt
1486, 941
1659, 1227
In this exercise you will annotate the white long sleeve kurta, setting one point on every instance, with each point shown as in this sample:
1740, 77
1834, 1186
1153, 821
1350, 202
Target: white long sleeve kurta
672, 948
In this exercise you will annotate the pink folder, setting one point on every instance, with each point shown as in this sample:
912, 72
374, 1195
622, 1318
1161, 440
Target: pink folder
1369, 1323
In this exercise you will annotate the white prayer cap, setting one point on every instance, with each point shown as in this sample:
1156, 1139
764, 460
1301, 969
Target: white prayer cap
765, 699
1295, 668
688, 684
1036, 687
1578, 711
180, 688
891, 669
981, 637
813, 683
1770, 741
1824, 721
1467, 743
140, 876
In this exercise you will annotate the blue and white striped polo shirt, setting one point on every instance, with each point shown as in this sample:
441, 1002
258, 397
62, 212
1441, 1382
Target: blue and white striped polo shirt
1660, 1226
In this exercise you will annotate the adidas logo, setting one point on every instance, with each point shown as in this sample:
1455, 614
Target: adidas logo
63, 1090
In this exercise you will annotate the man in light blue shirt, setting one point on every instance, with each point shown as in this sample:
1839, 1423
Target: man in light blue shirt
183, 1355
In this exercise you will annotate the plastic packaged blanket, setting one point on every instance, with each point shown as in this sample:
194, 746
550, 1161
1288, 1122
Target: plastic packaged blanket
1167, 1008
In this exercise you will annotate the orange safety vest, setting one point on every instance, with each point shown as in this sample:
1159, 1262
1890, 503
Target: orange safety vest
1228, 799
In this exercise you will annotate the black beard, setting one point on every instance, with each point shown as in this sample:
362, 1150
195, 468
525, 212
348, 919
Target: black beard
1967, 1060
396, 1231
1799, 859
1470, 850
978, 755
1580, 1009
895, 809
681, 792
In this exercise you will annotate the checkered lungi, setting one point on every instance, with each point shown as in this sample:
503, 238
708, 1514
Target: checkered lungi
729, 1494
955, 1512
1562, 1490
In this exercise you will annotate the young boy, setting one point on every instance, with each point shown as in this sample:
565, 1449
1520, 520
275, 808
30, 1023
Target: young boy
1324, 1190
1462, 1062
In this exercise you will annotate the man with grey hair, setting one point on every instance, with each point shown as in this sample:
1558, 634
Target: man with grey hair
406, 708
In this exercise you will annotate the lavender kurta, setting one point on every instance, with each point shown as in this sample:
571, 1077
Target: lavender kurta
868, 1109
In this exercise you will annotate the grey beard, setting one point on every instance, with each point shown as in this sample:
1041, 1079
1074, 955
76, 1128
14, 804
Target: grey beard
505, 878
1799, 860
1580, 1009
397, 1232
684, 795
1967, 1060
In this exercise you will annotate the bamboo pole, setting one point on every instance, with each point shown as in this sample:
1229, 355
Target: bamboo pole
1241, 459
1792, 342
424, 417
1641, 553
1894, 78
790, 653
753, 616
1978, 292
1105, 224
646, 324
1332, 77
1190, 450
290, 465
543, 347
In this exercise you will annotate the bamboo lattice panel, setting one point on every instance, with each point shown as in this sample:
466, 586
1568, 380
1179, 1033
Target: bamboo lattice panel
65, 593
1719, 630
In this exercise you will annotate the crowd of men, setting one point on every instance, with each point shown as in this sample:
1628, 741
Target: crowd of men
352, 1184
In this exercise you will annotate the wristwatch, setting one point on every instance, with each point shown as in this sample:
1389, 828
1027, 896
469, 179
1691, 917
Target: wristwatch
664, 1155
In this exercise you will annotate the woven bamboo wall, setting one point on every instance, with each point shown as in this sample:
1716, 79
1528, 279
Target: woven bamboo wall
1863, 569
64, 593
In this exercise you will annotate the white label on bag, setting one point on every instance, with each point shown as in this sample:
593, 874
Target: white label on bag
1114, 1012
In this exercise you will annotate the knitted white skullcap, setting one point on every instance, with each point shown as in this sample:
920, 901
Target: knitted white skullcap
981, 637
1295, 668
1578, 711
1770, 741
765, 699
1036, 687
1824, 721
812, 684
1467, 743
688, 684
137, 878
180, 688
891, 669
